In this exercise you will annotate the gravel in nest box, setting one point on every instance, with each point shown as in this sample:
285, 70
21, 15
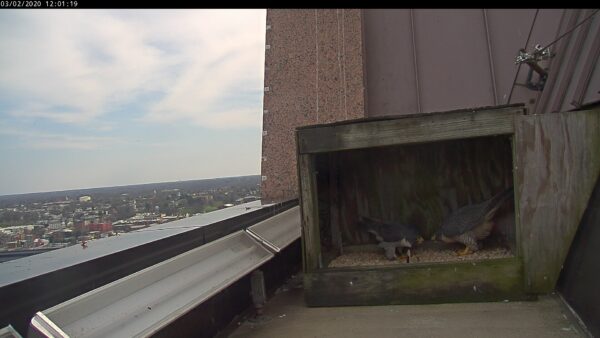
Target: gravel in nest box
418, 256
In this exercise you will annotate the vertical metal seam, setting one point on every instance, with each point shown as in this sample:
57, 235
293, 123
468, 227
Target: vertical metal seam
415, 63
571, 64
490, 56
317, 61
586, 72
544, 96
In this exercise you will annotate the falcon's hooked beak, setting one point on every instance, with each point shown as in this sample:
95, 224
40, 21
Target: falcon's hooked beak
420, 240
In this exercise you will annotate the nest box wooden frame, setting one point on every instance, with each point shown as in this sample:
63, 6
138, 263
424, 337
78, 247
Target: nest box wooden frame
555, 161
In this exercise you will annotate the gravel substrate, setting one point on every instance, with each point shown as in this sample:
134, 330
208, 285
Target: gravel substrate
418, 256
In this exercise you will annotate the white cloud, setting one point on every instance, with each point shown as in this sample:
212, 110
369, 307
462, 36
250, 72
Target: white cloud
76, 66
39, 140
228, 61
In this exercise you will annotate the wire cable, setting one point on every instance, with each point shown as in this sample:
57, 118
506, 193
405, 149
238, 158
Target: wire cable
571, 30
519, 68
548, 45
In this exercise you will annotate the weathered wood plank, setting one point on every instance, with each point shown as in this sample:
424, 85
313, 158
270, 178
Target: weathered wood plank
516, 236
558, 163
491, 280
415, 129
311, 243
336, 235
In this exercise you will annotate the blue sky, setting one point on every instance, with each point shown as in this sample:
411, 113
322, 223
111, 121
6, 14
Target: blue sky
92, 98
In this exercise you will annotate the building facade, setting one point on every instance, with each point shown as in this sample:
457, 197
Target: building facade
323, 66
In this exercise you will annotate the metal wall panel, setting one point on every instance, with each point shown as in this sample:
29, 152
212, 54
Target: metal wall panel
546, 28
392, 80
430, 60
503, 50
452, 58
575, 80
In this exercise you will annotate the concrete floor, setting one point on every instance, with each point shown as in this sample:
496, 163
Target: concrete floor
285, 315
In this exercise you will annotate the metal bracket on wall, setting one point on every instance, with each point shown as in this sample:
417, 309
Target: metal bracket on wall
538, 55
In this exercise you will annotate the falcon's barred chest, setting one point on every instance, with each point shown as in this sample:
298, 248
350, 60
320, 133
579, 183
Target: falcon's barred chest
471, 223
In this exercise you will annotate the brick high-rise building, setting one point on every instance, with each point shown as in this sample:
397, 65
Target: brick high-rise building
313, 74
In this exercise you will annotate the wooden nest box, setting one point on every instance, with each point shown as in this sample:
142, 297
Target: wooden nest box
417, 169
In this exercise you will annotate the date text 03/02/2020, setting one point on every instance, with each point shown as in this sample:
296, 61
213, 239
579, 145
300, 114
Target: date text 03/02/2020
38, 4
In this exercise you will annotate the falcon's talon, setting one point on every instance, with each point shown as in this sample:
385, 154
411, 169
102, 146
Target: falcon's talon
464, 252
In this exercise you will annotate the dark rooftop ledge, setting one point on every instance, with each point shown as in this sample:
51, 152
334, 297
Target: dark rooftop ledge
35, 283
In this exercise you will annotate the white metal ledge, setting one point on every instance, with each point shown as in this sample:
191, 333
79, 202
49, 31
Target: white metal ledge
142, 303
278, 231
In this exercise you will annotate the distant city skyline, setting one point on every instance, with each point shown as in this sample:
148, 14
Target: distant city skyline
96, 98
85, 190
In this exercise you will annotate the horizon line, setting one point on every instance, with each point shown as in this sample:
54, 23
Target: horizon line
124, 185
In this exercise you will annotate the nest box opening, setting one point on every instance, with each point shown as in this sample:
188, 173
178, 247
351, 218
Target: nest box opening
412, 185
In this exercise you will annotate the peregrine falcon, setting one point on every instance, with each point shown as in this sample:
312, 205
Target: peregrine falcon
471, 223
391, 235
